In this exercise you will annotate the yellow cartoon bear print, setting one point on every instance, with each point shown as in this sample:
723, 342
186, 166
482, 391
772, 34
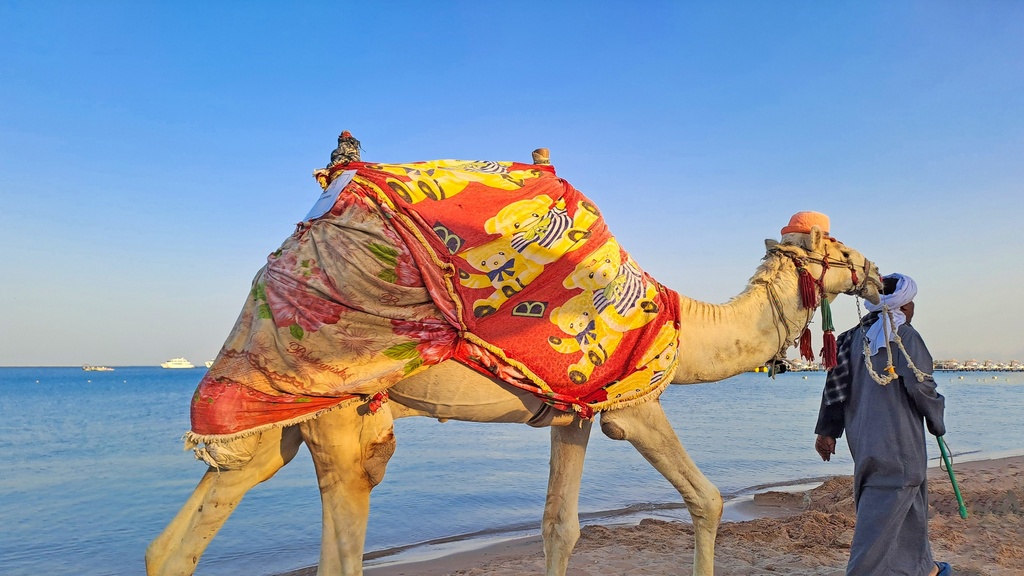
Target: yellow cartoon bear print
534, 232
440, 179
541, 229
623, 297
652, 368
502, 268
586, 333
662, 353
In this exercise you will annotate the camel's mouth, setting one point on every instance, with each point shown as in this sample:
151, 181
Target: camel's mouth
871, 290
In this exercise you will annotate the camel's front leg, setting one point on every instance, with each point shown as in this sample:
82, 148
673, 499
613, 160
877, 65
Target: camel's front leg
176, 551
350, 449
647, 428
561, 525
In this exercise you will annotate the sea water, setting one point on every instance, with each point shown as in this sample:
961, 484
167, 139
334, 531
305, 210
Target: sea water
93, 468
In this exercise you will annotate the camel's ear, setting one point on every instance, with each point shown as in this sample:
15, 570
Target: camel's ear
815, 240
770, 244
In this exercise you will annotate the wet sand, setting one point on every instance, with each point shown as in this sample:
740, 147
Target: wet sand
803, 533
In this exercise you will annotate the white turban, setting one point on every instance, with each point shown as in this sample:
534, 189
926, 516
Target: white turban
884, 329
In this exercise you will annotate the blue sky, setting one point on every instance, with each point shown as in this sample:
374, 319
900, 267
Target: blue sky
152, 154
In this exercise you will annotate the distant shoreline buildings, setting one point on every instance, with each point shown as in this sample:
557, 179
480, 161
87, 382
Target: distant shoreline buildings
799, 365
976, 366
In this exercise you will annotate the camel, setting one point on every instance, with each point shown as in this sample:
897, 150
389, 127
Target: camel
352, 444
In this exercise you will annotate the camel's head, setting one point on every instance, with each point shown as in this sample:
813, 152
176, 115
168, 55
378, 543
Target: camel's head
837, 268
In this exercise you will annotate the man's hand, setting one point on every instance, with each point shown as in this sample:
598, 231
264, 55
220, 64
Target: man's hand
826, 447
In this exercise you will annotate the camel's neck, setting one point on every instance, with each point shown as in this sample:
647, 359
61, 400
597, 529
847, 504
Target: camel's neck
719, 341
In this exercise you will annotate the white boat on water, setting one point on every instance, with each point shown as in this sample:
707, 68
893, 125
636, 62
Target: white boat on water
177, 363
90, 368
209, 363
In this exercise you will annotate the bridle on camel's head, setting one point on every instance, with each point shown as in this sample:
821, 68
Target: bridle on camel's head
811, 288
814, 294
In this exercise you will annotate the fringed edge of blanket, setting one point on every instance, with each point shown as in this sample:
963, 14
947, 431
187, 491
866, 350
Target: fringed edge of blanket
198, 442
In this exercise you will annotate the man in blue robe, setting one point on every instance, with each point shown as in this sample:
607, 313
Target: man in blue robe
884, 413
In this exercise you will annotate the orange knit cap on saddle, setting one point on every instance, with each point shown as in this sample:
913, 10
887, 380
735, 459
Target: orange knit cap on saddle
802, 221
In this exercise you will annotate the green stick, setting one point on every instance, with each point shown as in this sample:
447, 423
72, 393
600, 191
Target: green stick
952, 477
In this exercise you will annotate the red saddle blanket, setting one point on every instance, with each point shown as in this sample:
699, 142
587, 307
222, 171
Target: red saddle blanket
501, 266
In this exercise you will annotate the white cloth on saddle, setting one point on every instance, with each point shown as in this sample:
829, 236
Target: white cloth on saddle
886, 326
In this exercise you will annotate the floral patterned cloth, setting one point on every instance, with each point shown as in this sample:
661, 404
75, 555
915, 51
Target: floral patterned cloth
499, 265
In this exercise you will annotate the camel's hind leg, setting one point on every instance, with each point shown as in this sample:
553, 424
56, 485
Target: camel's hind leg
176, 551
561, 525
647, 428
350, 449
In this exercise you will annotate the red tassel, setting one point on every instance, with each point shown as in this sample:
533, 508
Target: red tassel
828, 351
805, 346
376, 401
808, 290
584, 410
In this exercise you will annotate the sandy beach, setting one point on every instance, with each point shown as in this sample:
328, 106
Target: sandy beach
804, 533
